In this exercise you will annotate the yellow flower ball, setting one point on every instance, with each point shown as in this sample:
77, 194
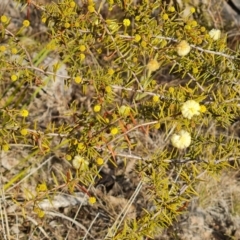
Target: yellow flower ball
181, 140
5, 147
171, 9
68, 157
202, 29
194, 23
14, 77
77, 24
126, 22
135, 60
183, 48
192, 10
42, 187
81, 146
72, 4
171, 90
39, 212
110, 71
203, 109
100, 161
24, 131
155, 98
78, 79
190, 108
44, 20
82, 57
67, 25
188, 27
97, 108
14, 51
154, 82
108, 89
143, 44
137, 18
26, 23
195, 70
91, 9
91, 2
2, 48
4, 19
114, 131
165, 16
24, 113
137, 38
92, 200
199, 41
82, 48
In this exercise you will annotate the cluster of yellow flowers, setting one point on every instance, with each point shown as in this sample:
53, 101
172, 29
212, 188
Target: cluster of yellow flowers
183, 48
189, 109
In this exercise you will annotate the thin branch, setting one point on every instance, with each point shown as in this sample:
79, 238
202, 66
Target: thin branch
213, 52
24, 49
198, 48
140, 91
133, 128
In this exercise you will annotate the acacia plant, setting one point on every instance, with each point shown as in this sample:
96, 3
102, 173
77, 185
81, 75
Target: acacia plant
139, 83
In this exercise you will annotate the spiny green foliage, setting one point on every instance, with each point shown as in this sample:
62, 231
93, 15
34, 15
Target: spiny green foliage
118, 53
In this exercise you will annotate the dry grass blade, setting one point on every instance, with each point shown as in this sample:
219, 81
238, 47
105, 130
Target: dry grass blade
90, 226
121, 216
4, 216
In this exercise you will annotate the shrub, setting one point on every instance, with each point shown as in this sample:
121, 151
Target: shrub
132, 83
